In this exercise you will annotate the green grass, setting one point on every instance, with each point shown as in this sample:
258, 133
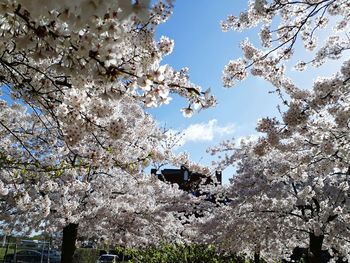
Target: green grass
3, 251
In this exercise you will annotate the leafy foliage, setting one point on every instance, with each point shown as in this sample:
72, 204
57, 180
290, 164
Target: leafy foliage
192, 253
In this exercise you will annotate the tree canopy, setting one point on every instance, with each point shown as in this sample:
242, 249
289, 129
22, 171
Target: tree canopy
77, 78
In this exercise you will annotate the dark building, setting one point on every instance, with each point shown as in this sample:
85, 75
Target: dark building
192, 182
187, 180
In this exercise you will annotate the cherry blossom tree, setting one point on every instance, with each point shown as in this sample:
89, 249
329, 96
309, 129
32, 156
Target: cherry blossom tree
76, 77
291, 186
116, 207
281, 201
59, 194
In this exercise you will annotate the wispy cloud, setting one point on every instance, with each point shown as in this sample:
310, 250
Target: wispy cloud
206, 132
248, 138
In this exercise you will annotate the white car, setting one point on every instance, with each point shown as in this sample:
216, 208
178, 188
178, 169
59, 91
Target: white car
107, 258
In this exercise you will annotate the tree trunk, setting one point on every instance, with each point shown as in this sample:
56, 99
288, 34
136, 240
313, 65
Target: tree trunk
70, 233
315, 248
4, 241
256, 257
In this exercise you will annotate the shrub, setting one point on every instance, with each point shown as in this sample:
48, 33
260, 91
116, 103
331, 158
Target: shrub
86, 255
180, 253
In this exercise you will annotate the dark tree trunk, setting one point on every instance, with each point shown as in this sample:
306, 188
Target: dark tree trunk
70, 233
256, 257
315, 248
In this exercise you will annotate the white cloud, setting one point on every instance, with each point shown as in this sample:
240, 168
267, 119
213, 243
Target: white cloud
249, 138
206, 132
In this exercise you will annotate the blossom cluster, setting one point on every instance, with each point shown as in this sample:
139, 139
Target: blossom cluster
296, 21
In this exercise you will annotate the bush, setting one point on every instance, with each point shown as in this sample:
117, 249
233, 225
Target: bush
86, 255
180, 253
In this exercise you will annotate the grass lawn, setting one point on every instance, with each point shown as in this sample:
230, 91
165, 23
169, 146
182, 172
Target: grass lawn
3, 251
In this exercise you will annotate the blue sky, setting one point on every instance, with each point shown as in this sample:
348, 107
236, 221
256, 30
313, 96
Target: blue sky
201, 46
